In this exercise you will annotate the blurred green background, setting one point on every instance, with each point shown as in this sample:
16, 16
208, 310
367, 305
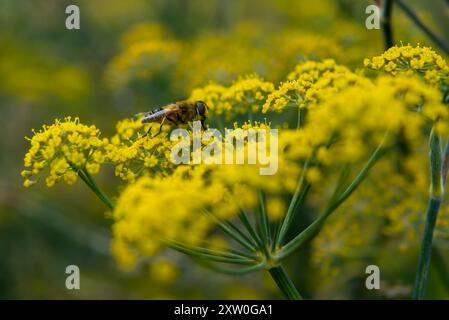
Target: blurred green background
48, 72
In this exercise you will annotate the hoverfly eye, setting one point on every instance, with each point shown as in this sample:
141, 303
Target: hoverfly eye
201, 108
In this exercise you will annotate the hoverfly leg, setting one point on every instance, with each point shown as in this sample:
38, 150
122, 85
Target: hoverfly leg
147, 133
160, 127
157, 133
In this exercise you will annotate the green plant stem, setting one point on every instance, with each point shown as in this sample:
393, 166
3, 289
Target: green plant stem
231, 271
445, 165
90, 182
387, 8
297, 199
436, 197
233, 231
263, 223
245, 221
414, 17
284, 283
251, 245
426, 249
312, 230
210, 255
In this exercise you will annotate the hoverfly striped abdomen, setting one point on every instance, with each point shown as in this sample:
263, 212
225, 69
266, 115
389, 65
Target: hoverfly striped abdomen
154, 115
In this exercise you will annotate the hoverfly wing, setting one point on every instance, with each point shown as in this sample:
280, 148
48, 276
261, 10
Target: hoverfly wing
159, 114
144, 114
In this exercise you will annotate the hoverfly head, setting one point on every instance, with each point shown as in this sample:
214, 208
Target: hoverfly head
201, 108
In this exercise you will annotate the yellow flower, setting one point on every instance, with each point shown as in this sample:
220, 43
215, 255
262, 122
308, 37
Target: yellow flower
275, 208
163, 208
147, 51
63, 148
245, 95
163, 270
309, 83
173, 207
313, 175
134, 154
409, 60
28, 183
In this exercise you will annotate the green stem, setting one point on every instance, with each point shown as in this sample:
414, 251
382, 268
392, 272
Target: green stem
245, 221
284, 283
251, 245
89, 181
263, 223
426, 250
231, 271
312, 230
209, 254
387, 27
414, 17
297, 199
232, 231
445, 165
436, 197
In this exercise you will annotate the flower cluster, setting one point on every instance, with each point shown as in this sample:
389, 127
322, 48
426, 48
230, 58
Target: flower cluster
134, 154
412, 60
310, 82
197, 197
347, 117
147, 52
355, 115
345, 129
373, 213
244, 96
142, 224
64, 148
419, 97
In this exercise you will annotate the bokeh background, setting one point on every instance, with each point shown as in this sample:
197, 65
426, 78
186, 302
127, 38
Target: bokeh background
130, 56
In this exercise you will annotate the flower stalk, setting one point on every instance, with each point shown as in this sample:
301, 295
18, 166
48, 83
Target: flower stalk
90, 182
414, 17
284, 283
259, 236
296, 202
311, 231
263, 223
436, 197
387, 8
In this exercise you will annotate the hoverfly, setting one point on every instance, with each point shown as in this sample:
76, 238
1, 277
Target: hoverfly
178, 113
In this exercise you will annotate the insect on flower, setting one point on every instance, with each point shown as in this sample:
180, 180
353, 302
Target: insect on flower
178, 113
